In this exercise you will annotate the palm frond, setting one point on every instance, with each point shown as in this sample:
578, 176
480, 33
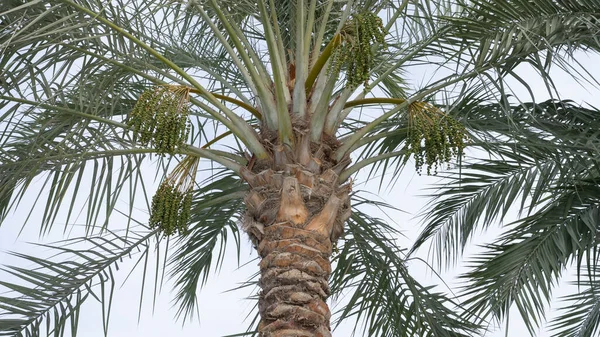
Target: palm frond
506, 32
580, 314
66, 147
540, 145
524, 265
46, 297
383, 297
216, 211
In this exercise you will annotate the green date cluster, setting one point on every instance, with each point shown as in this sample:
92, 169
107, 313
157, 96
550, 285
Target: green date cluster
171, 209
160, 117
355, 51
434, 137
172, 203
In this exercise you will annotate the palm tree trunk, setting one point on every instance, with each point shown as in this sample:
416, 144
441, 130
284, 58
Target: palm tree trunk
293, 216
294, 273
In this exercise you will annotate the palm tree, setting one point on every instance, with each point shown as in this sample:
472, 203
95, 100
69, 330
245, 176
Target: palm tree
270, 92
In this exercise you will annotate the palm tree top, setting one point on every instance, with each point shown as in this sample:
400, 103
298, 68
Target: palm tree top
89, 88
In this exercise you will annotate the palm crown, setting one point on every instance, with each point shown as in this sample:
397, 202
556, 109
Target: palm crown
269, 91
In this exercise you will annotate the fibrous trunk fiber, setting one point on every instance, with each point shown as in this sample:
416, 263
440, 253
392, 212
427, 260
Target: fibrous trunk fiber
294, 215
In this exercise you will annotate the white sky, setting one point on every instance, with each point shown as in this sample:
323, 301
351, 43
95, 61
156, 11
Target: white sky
223, 313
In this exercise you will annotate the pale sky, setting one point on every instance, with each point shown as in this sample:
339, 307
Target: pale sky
223, 313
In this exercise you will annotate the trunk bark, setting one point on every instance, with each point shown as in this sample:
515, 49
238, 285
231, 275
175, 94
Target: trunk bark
294, 274
293, 217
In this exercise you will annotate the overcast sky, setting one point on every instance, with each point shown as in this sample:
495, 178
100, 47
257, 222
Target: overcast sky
222, 312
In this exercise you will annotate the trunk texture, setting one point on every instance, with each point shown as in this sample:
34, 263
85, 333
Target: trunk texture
294, 215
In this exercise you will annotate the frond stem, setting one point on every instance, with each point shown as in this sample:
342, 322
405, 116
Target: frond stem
240, 42
284, 122
278, 36
309, 29
237, 102
321, 61
216, 139
227, 159
370, 139
299, 94
189, 150
396, 15
374, 100
343, 150
354, 168
337, 114
251, 77
321, 34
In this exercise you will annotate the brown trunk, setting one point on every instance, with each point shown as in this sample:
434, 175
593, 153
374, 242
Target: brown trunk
293, 216
294, 273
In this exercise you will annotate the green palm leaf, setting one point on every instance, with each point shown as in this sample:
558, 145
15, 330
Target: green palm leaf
47, 296
525, 264
214, 219
579, 315
540, 146
384, 299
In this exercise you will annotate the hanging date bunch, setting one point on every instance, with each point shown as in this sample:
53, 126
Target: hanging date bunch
160, 117
172, 203
355, 50
433, 137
